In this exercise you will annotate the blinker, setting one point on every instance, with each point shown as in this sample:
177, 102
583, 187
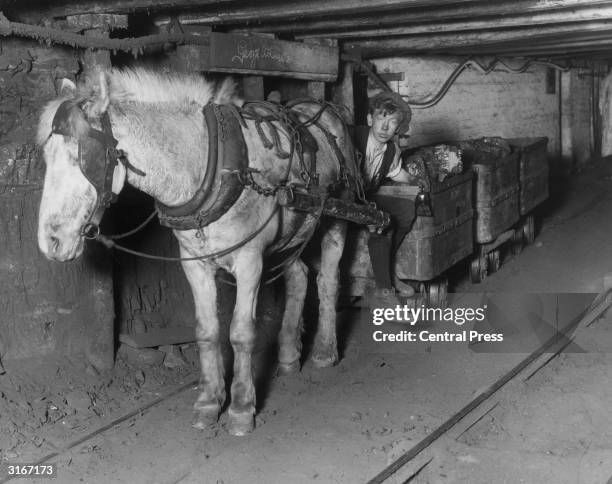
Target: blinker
97, 149
61, 120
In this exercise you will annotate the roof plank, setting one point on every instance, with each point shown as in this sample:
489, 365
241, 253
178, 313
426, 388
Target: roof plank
61, 8
447, 13
564, 17
255, 13
479, 39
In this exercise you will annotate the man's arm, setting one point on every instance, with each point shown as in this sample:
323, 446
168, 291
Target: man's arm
396, 171
402, 176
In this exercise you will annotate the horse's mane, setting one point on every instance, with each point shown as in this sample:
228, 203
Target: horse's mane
145, 86
141, 85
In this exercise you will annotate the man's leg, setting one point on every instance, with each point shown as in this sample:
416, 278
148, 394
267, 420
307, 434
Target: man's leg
379, 246
402, 212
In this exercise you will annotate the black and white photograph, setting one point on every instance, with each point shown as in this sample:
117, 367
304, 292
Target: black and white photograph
306, 241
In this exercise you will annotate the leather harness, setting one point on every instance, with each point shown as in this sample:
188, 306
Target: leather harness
227, 172
220, 188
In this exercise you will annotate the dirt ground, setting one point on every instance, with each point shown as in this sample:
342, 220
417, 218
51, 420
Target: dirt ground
346, 424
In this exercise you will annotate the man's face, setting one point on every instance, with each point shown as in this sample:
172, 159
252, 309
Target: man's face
384, 125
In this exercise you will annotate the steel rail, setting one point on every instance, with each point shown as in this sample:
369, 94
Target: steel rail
538, 358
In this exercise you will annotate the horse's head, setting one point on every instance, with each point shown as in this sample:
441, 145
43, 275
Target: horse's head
81, 169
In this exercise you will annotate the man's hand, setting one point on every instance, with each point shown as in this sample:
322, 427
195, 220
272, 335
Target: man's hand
403, 177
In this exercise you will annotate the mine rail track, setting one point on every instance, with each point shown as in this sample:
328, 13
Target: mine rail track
114, 423
414, 460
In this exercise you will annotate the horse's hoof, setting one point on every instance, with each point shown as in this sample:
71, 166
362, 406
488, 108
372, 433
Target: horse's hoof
289, 368
240, 424
205, 418
324, 361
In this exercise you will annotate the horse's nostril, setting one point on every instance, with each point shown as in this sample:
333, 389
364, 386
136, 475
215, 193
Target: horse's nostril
54, 243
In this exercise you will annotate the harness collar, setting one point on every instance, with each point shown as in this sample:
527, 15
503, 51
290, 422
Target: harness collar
221, 187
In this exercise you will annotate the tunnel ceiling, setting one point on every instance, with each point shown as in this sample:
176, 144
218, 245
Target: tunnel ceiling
553, 29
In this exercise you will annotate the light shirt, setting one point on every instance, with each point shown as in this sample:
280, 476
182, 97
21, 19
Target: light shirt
374, 155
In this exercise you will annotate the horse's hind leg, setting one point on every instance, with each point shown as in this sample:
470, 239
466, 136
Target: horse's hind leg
290, 337
325, 351
201, 278
242, 336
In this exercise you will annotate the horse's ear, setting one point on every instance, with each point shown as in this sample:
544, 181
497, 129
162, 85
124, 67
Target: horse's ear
67, 88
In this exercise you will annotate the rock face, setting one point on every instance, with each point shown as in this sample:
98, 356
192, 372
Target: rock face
44, 307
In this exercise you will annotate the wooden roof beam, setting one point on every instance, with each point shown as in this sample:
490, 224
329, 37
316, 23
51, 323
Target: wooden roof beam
522, 51
448, 13
455, 41
577, 39
60, 9
548, 48
564, 17
292, 10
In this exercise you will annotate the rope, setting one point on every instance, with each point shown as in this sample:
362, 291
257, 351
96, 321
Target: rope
110, 243
133, 231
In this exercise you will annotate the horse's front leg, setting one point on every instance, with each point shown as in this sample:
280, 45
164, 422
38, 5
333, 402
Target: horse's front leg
201, 277
241, 413
325, 351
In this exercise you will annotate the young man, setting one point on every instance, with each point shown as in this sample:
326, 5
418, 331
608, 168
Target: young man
388, 116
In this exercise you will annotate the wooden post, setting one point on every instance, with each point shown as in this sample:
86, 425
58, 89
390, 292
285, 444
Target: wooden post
565, 120
100, 329
253, 88
316, 89
100, 351
342, 91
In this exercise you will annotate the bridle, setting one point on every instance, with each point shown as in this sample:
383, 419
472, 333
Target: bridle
93, 145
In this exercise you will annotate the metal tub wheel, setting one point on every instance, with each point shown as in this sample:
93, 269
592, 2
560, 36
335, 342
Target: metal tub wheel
422, 293
494, 260
438, 293
529, 229
517, 242
479, 267
488, 256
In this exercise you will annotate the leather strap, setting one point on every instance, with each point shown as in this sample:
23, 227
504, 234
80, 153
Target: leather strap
221, 187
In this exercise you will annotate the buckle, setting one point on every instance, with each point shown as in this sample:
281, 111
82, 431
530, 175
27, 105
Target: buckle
90, 231
285, 195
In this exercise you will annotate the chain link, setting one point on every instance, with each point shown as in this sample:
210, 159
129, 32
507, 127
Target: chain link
245, 178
